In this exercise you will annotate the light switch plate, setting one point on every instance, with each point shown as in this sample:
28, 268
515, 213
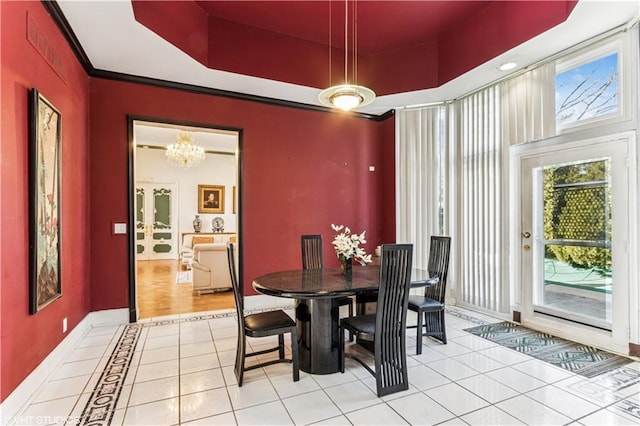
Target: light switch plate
119, 228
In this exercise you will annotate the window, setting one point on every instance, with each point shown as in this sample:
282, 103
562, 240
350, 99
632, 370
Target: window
587, 91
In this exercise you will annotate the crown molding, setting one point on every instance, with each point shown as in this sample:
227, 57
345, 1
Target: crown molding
60, 20
65, 28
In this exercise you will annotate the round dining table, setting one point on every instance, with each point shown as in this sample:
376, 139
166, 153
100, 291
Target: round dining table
316, 292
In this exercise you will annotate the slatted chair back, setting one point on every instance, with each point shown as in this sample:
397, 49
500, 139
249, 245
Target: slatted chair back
312, 252
391, 318
438, 266
238, 296
261, 324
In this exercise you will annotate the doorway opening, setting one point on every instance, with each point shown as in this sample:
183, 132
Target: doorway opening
167, 216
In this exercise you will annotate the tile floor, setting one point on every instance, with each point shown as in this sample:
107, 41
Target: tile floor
178, 370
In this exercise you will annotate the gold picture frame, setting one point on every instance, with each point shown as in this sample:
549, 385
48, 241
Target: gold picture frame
235, 202
210, 199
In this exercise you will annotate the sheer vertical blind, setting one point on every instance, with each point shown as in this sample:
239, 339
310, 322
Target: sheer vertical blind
453, 168
528, 106
419, 177
482, 235
484, 125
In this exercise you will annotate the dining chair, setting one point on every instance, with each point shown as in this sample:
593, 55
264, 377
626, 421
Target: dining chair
312, 252
312, 259
387, 326
263, 324
430, 306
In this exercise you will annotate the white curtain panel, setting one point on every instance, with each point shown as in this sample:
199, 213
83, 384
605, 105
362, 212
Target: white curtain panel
487, 122
528, 106
420, 165
482, 208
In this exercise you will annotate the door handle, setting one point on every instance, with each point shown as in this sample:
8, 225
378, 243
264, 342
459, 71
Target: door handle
526, 247
526, 234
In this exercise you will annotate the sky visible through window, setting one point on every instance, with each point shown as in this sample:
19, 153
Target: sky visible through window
587, 91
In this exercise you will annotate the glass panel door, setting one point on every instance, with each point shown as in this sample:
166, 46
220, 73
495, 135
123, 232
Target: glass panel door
156, 236
574, 240
574, 247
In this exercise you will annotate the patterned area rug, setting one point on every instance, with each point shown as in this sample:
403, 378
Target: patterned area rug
580, 359
184, 277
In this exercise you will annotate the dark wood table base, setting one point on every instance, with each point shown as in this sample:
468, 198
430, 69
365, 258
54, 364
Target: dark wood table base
318, 335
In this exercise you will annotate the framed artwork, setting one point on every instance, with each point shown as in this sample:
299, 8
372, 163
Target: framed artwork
235, 205
210, 199
44, 202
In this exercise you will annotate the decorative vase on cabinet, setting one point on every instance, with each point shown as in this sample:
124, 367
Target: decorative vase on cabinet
197, 223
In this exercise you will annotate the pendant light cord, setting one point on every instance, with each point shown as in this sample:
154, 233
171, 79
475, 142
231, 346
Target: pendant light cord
347, 95
355, 42
330, 80
346, 39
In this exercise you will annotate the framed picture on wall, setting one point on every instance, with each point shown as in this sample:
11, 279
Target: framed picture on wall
235, 203
210, 199
44, 202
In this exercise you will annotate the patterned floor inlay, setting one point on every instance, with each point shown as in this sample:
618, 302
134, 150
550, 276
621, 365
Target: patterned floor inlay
102, 402
464, 316
204, 317
628, 407
580, 359
101, 405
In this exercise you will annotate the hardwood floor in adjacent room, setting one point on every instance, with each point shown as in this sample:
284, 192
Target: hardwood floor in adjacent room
158, 294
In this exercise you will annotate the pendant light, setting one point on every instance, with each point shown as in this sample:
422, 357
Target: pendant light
346, 96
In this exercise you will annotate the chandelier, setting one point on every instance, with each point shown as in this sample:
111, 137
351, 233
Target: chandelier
184, 152
346, 96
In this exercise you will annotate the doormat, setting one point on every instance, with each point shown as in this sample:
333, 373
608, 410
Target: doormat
581, 359
184, 277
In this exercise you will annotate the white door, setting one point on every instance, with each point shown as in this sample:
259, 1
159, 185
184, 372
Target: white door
156, 218
574, 241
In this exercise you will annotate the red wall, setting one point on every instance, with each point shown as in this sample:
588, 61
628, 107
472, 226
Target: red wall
303, 171
27, 339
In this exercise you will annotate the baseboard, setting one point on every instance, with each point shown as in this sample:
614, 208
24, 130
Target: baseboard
109, 317
20, 396
517, 317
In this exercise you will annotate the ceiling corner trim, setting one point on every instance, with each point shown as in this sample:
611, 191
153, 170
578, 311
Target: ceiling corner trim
110, 75
63, 25
60, 20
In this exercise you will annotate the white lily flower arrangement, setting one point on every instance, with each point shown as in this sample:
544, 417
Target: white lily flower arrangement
347, 245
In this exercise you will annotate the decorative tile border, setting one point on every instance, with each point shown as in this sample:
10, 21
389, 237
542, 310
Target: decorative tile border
628, 407
466, 317
619, 379
205, 317
101, 406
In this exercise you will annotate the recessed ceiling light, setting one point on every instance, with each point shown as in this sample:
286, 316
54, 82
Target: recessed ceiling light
507, 66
